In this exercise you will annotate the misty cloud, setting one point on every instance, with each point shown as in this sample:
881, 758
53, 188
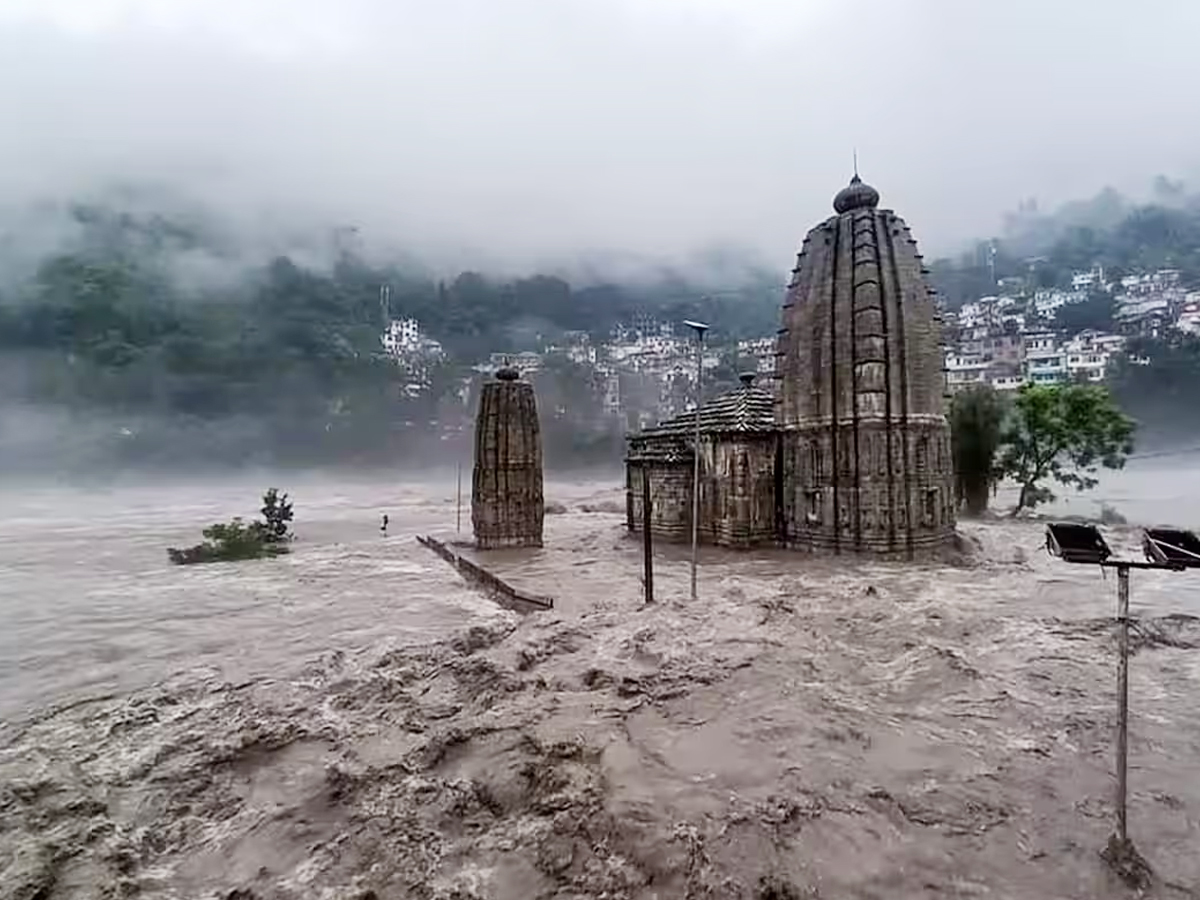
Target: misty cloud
516, 132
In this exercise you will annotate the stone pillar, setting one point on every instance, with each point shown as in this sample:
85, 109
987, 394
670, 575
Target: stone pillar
507, 508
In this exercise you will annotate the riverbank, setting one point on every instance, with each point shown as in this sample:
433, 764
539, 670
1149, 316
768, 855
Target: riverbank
809, 728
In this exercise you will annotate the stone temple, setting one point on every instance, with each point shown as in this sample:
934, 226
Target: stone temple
850, 451
507, 506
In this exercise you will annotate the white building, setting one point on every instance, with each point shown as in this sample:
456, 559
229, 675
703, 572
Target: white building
610, 387
762, 350
1188, 320
1086, 364
1045, 362
1006, 382
412, 352
1084, 281
965, 369
970, 315
401, 337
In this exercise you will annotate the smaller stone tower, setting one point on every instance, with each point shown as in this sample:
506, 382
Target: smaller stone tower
507, 507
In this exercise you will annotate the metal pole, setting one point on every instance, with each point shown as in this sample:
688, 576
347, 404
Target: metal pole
458, 503
1122, 698
647, 546
696, 460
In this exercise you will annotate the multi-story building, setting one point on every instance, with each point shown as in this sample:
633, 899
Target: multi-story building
965, 369
1188, 320
762, 351
1085, 281
1090, 355
1143, 314
526, 362
413, 353
1044, 358
402, 336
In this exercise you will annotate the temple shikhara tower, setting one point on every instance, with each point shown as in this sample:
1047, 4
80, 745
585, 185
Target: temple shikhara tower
507, 507
855, 456
861, 388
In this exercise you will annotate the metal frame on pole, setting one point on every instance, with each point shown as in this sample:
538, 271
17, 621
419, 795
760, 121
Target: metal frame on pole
699, 328
1169, 549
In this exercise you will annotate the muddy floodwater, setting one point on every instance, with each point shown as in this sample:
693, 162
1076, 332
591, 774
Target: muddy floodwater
354, 721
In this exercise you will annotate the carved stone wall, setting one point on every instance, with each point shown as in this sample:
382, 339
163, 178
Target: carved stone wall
670, 499
507, 504
866, 450
737, 493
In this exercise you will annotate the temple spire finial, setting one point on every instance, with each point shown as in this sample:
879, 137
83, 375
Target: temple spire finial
855, 195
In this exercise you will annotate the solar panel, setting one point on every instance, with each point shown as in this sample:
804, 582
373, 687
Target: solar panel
1171, 546
1076, 543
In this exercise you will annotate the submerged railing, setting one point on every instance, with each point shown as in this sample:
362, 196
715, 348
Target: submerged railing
499, 589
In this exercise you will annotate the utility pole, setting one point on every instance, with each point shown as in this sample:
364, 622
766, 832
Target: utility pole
647, 546
385, 304
699, 328
1122, 701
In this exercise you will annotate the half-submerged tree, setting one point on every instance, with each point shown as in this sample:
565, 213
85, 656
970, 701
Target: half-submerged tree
236, 539
976, 417
1062, 433
277, 514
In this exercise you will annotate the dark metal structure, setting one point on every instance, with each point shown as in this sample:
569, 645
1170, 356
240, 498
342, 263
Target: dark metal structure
1172, 549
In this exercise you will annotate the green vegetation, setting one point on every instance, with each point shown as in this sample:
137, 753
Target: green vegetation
1158, 382
280, 362
976, 417
1110, 230
237, 540
1062, 433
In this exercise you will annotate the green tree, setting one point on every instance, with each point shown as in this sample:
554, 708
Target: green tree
1095, 313
277, 513
1062, 433
976, 417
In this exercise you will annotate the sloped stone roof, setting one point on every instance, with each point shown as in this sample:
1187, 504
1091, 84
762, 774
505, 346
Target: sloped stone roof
747, 409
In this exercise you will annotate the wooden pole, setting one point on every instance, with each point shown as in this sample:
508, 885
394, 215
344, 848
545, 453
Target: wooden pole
458, 503
647, 545
1122, 699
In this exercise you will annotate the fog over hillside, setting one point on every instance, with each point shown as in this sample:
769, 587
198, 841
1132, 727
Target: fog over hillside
531, 133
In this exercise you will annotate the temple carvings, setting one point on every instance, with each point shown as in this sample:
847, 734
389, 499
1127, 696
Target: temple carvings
507, 508
855, 454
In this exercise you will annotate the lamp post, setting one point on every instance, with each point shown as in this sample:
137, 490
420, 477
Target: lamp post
699, 328
1172, 549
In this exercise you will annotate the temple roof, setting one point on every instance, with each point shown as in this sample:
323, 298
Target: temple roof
746, 409
856, 195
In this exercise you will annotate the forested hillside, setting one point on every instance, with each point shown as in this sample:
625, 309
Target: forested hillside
1115, 232
153, 336
158, 325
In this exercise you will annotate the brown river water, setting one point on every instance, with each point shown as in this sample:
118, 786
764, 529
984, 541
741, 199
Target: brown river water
353, 720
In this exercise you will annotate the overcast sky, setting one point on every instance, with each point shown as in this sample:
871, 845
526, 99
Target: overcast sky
537, 129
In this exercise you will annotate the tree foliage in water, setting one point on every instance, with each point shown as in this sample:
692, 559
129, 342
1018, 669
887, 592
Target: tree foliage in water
1062, 433
277, 516
238, 540
976, 417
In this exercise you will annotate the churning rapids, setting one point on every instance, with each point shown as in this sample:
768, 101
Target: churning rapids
353, 721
